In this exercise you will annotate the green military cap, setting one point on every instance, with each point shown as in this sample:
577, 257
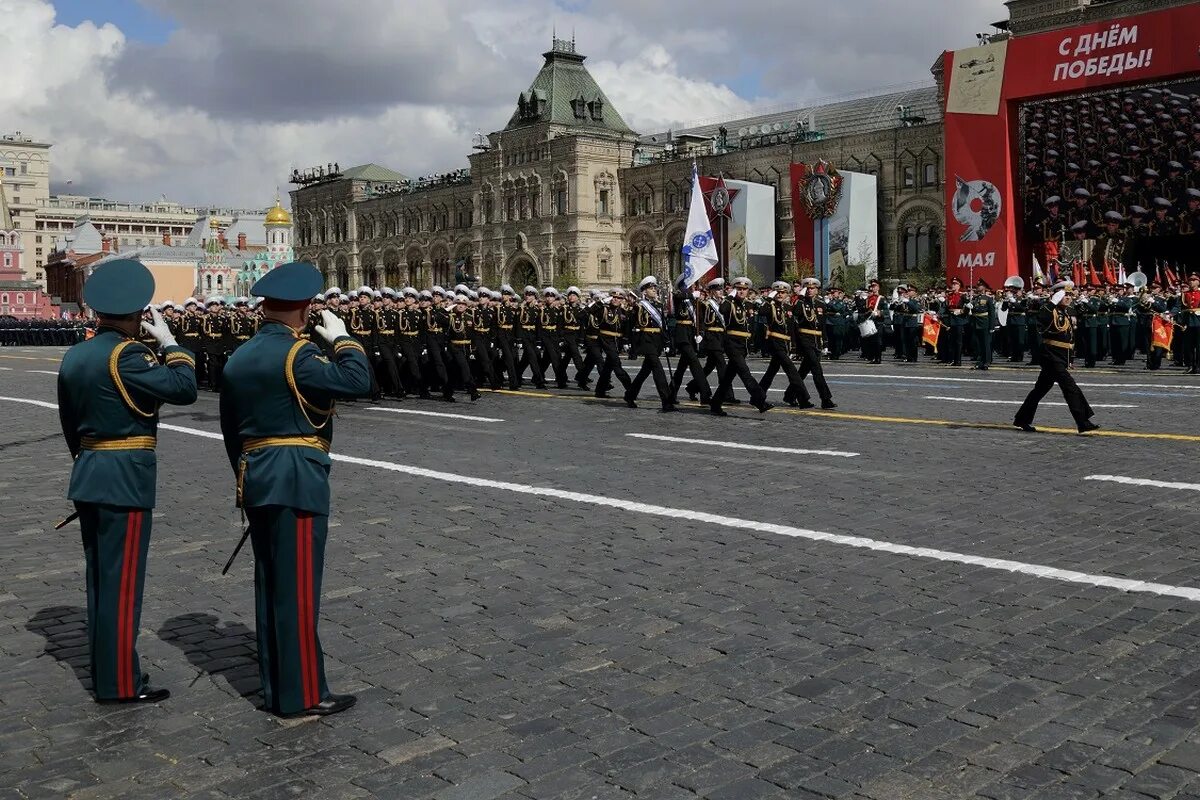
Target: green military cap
290, 283
120, 287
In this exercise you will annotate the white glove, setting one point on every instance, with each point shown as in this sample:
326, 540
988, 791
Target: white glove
159, 330
699, 339
333, 327
1058, 297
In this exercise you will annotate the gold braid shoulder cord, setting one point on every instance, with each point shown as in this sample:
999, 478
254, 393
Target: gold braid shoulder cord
305, 406
114, 373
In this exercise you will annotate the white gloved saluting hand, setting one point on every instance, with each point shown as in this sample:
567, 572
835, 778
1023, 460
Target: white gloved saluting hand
159, 330
332, 327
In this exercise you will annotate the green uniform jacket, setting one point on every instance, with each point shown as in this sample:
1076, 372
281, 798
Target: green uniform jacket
91, 404
257, 401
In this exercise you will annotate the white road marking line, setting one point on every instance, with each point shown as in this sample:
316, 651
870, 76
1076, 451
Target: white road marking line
740, 446
1193, 487
858, 542
38, 403
435, 414
6, 369
43, 371
1017, 402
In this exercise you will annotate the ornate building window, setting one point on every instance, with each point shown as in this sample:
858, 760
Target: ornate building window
931, 176
921, 247
558, 189
675, 254
910, 178
604, 268
605, 182
641, 253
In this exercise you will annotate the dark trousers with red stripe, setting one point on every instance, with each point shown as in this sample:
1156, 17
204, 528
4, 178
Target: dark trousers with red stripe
289, 560
115, 544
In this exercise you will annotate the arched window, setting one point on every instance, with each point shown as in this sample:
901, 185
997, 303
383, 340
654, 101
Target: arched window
208, 283
220, 283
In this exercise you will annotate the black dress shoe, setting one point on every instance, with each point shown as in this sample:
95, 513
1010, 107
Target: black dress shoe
765, 407
146, 695
733, 401
475, 396
806, 404
1088, 426
668, 408
333, 704
449, 398
828, 404
629, 400
1025, 427
717, 411
603, 395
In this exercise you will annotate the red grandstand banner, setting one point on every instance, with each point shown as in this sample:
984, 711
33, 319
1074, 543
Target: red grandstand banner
986, 229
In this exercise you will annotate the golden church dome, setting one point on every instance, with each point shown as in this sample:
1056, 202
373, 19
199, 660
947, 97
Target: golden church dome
278, 215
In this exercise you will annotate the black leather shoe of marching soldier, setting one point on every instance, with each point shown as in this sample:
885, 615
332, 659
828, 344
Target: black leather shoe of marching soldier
1058, 336
277, 420
109, 390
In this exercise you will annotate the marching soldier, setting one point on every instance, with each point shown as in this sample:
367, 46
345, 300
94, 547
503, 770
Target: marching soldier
777, 314
647, 331
360, 319
809, 315
460, 331
214, 330
506, 324
870, 309
483, 335
612, 328
191, 335
529, 321
685, 337
110, 388
277, 420
738, 329
433, 330
387, 335
410, 327
573, 317
1058, 330
712, 343
243, 325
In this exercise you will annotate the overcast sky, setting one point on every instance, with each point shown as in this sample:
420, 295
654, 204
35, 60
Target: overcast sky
214, 102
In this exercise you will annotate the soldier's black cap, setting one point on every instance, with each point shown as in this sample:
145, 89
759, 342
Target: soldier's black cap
289, 283
120, 287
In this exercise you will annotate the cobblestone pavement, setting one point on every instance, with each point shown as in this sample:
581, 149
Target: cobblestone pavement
580, 631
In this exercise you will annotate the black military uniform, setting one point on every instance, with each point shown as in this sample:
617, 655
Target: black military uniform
1058, 332
214, 330
738, 330
483, 335
612, 328
529, 320
647, 332
808, 314
574, 318
362, 324
684, 337
777, 314
387, 335
411, 336
460, 325
506, 340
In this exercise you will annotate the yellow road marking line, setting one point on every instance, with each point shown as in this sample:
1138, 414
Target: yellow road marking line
949, 423
520, 393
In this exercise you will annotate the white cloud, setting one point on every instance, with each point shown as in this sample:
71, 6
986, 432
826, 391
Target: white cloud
242, 92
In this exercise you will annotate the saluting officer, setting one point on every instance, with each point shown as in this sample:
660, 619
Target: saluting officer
777, 313
809, 315
109, 391
647, 320
277, 420
1058, 330
738, 322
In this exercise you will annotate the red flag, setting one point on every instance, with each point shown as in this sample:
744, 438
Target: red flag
1162, 332
931, 330
1172, 278
1110, 277
1077, 275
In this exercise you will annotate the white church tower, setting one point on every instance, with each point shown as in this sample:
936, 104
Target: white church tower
279, 235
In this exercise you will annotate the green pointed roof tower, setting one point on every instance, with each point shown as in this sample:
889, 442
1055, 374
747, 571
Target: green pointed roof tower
565, 93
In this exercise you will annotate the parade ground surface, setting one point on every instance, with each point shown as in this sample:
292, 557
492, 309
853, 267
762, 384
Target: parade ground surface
544, 595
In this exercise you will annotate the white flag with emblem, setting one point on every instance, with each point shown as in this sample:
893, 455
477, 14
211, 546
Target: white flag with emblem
699, 249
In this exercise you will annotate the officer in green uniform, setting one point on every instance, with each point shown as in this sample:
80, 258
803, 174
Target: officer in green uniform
983, 319
277, 420
837, 315
109, 391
